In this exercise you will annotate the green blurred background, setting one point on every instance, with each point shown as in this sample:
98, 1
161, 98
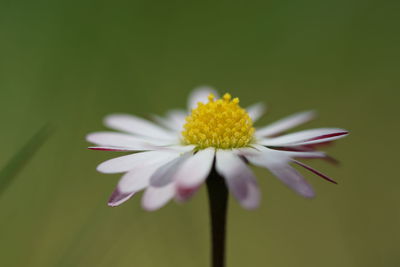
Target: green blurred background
70, 63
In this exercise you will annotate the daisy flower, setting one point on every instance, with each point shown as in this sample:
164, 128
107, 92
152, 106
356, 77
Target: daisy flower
173, 157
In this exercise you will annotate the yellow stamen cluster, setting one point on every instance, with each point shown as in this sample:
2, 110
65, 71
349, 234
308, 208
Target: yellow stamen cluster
219, 123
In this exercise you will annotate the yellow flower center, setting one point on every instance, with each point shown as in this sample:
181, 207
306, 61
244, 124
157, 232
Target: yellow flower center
219, 123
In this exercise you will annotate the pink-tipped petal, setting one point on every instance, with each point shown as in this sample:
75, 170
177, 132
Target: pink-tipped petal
118, 197
184, 194
305, 154
239, 179
284, 155
116, 149
324, 139
135, 125
306, 137
156, 197
285, 124
277, 163
320, 174
139, 178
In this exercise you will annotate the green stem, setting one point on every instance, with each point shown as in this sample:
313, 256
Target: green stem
218, 203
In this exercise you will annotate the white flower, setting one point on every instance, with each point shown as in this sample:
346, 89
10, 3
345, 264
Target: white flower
173, 158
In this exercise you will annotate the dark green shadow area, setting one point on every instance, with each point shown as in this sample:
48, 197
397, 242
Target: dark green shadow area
18, 162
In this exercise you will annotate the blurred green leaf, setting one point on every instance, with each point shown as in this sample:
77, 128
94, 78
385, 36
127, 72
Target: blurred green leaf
10, 171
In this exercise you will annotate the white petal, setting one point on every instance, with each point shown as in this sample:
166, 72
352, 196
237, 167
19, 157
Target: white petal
176, 148
117, 198
136, 180
252, 201
139, 178
286, 124
200, 94
239, 178
278, 164
137, 160
256, 111
139, 126
306, 137
165, 174
174, 120
293, 179
260, 155
195, 170
156, 197
122, 140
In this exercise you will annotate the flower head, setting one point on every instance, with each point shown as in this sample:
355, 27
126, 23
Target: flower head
219, 123
173, 158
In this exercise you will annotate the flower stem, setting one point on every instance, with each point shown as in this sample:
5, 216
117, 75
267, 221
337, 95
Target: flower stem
218, 203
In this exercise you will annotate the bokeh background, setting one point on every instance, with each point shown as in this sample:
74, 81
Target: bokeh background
69, 63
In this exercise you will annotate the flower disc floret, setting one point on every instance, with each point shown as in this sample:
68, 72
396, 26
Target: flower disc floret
219, 123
